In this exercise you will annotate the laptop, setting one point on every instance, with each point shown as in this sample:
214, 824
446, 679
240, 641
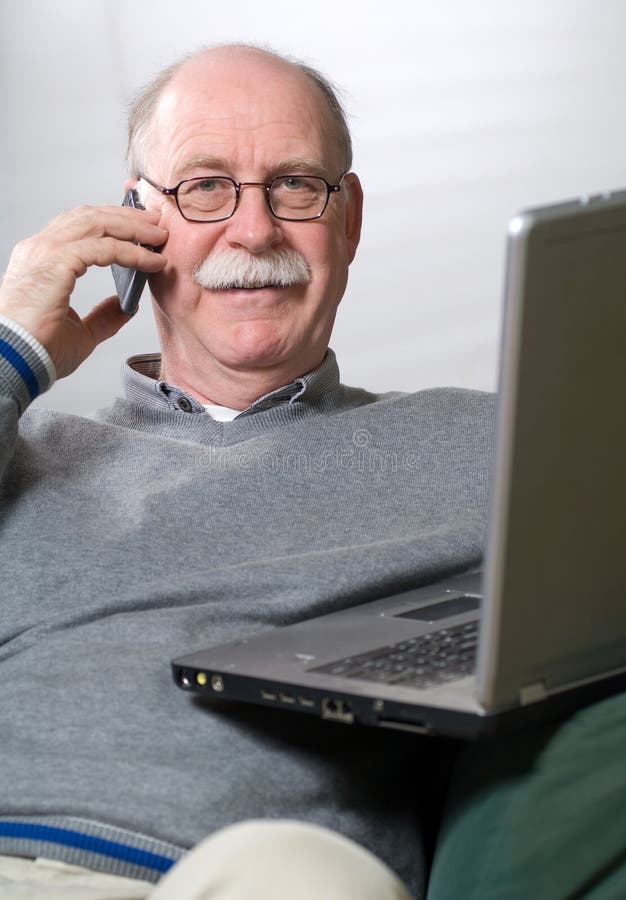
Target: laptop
541, 630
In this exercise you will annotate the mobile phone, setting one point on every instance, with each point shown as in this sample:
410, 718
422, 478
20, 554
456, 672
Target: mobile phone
129, 283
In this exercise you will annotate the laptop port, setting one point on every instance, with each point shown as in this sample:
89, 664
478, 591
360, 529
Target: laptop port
417, 727
268, 695
337, 710
187, 679
306, 702
286, 698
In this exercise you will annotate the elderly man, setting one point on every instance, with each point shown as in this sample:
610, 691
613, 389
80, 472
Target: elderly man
237, 485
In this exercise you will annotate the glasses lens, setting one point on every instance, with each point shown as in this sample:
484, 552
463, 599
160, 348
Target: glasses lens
206, 199
298, 196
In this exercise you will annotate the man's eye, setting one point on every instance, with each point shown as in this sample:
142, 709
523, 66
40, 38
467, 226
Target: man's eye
206, 185
199, 186
291, 182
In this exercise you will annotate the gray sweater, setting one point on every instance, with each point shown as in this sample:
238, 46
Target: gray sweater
145, 532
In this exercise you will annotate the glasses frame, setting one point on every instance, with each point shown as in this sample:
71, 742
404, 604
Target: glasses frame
238, 185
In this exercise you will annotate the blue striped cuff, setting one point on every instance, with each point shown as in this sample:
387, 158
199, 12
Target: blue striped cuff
84, 843
24, 373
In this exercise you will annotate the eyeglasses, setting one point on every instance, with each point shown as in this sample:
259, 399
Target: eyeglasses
294, 198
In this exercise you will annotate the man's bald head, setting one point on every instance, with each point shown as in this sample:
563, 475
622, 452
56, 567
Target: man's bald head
144, 107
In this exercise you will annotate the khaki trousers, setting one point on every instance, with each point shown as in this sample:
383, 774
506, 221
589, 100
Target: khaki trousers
256, 860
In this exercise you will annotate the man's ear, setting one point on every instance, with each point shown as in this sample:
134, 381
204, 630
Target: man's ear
353, 212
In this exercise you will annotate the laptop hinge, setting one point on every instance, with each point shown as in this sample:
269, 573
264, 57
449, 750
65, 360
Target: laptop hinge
530, 693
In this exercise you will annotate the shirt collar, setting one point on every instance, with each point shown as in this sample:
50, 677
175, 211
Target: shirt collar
141, 384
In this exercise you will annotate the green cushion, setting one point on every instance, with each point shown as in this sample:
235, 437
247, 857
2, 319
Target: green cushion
539, 815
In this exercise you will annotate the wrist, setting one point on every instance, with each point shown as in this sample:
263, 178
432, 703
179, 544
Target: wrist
26, 368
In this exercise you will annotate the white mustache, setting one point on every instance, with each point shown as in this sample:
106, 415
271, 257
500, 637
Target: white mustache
240, 269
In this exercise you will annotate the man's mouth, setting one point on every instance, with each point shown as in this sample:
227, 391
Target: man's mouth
251, 287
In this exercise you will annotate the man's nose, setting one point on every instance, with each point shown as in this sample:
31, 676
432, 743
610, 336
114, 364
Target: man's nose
252, 225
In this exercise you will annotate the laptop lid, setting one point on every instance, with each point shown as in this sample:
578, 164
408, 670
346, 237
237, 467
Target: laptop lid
555, 576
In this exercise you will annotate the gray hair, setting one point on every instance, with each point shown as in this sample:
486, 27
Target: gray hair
143, 107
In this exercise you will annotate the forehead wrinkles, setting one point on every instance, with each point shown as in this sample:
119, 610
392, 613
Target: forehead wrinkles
242, 119
243, 149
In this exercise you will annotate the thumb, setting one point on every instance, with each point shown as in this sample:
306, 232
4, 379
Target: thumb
80, 337
105, 320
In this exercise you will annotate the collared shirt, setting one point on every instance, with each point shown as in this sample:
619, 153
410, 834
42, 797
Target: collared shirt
142, 384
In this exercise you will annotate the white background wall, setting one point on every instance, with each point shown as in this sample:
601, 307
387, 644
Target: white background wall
463, 111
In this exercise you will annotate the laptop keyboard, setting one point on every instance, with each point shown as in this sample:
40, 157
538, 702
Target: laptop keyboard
422, 662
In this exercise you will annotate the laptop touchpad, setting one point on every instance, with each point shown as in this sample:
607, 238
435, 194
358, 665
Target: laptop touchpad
452, 606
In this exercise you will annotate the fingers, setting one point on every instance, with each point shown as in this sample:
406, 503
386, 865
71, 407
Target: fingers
107, 250
43, 269
122, 222
89, 236
104, 235
37, 286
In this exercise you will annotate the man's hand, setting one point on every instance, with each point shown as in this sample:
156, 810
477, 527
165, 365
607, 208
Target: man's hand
36, 289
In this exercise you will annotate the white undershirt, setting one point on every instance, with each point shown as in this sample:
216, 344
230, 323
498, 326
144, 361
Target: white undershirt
221, 413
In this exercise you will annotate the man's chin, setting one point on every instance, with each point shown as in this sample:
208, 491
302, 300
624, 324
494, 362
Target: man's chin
258, 344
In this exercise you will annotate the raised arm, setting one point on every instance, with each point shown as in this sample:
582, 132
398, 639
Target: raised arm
37, 287
41, 336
